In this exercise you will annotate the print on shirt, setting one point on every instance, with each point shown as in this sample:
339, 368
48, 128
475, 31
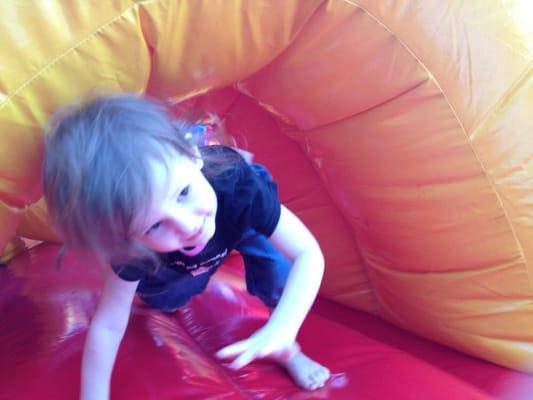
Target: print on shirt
204, 266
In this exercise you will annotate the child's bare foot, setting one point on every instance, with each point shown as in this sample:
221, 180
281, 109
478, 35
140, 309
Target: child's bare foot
307, 374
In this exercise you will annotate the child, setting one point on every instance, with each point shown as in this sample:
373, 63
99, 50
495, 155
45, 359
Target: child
123, 180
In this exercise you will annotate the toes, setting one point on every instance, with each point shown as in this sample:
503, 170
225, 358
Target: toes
308, 374
312, 385
309, 383
324, 374
319, 377
316, 379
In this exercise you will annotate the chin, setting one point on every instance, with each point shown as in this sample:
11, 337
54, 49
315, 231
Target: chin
166, 249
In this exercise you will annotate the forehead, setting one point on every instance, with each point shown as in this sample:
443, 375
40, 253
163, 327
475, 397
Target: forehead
168, 174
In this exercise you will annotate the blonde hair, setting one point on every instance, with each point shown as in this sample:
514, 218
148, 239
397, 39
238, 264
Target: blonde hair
96, 173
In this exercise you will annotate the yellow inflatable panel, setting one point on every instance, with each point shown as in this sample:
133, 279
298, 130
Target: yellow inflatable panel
406, 124
12, 248
34, 224
9, 220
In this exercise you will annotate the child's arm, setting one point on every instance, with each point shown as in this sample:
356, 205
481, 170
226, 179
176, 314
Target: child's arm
295, 241
104, 336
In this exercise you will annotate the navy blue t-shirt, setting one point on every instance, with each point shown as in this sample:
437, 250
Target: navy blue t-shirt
247, 199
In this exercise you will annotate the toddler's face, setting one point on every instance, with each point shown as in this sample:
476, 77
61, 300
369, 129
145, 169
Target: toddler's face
184, 205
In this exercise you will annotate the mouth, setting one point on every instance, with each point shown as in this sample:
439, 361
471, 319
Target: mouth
195, 236
193, 250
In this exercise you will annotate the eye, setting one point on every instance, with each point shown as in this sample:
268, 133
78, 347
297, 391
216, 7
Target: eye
184, 192
153, 228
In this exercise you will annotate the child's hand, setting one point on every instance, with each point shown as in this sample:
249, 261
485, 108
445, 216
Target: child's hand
265, 342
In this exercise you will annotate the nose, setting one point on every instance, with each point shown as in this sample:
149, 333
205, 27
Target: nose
183, 221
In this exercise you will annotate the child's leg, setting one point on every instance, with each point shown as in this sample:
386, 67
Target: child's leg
266, 274
170, 288
266, 268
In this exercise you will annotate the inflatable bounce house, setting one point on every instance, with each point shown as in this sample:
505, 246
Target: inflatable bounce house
399, 131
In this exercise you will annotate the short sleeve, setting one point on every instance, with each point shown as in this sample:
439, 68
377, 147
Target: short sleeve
256, 200
246, 193
265, 202
131, 272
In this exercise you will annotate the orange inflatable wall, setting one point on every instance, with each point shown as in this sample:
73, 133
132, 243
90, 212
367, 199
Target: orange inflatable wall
400, 132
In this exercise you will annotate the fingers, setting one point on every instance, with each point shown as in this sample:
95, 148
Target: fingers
243, 360
243, 353
241, 350
259, 345
232, 350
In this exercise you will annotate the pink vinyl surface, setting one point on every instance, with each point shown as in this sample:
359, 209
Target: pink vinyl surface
44, 313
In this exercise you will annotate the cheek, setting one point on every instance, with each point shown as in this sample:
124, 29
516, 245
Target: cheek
151, 243
162, 242
204, 199
214, 205
210, 199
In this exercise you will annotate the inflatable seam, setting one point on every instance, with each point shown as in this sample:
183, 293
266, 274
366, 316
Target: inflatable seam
13, 209
60, 56
504, 98
467, 137
497, 106
223, 371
